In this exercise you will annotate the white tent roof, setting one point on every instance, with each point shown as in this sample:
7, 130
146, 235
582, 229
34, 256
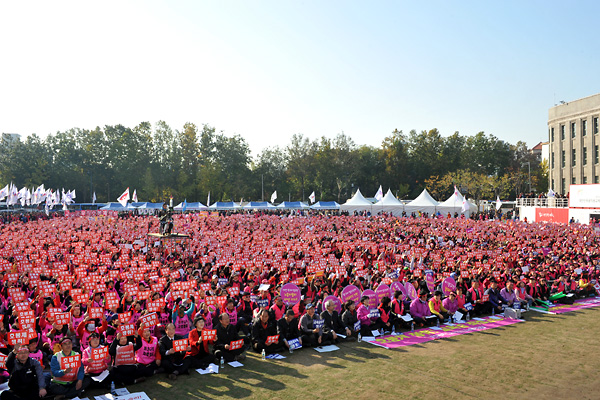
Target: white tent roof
389, 200
424, 199
358, 200
454, 204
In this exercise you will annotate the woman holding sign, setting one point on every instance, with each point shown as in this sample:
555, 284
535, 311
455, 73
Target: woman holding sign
147, 356
199, 353
123, 351
95, 358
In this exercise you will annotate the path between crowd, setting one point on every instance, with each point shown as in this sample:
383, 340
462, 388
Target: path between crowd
549, 356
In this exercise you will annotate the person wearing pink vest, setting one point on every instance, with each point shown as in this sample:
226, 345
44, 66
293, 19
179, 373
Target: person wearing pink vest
94, 366
148, 355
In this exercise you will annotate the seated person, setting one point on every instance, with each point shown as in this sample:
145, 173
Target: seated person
94, 367
262, 328
122, 349
287, 328
174, 362
450, 303
496, 299
332, 323
419, 309
66, 382
311, 336
524, 296
475, 297
436, 308
26, 376
199, 353
367, 323
509, 294
385, 314
350, 318
227, 333
148, 356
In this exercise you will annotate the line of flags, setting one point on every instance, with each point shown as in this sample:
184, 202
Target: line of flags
37, 196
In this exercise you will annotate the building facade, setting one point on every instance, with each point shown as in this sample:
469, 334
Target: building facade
574, 143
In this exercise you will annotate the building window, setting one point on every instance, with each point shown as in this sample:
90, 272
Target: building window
596, 155
596, 179
563, 160
584, 127
585, 179
595, 124
562, 132
552, 134
573, 181
584, 156
573, 133
563, 186
553, 160
573, 157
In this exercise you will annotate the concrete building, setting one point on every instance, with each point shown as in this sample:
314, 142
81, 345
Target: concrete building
574, 143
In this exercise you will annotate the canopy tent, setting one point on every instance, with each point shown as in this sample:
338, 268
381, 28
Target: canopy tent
292, 205
193, 206
424, 203
151, 206
224, 205
390, 204
357, 203
454, 204
259, 205
325, 205
118, 207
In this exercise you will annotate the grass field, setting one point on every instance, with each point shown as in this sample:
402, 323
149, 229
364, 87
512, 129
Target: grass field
547, 357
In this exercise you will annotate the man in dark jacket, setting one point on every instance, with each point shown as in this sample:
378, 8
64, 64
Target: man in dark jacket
262, 329
227, 333
26, 376
332, 323
287, 328
174, 362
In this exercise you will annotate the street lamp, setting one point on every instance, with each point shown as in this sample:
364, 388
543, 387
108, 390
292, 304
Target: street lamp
529, 170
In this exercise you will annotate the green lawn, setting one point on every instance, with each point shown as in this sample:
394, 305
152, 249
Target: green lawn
547, 357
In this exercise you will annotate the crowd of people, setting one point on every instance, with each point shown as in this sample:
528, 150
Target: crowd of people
91, 295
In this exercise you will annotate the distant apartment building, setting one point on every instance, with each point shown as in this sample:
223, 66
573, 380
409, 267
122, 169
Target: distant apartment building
574, 143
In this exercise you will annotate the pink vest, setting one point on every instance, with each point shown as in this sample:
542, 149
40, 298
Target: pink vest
94, 366
232, 316
183, 325
147, 353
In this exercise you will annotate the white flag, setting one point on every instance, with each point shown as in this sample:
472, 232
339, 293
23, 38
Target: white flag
274, 196
379, 194
94, 198
134, 197
3, 192
465, 206
208, 199
456, 192
498, 203
312, 197
550, 193
124, 197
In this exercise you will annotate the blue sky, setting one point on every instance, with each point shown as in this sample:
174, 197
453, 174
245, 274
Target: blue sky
269, 69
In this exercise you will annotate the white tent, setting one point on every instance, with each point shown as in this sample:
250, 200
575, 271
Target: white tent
389, 203
452, 204
357, 203
423, 203
193, 206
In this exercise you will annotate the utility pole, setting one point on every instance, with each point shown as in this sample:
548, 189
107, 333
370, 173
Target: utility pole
529, 171
262, 187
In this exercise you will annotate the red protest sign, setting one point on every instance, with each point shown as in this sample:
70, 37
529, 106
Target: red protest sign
180, 345
272, 339
3, 360
127, 329
27, 319
81, 298
62, 318
209, 334
236, 344
20, 307
125, 317
99, 353
156, 305
149, 320
111, 303
96, 312
18, 337
73, 362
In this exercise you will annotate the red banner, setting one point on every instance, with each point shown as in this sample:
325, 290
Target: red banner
552, 215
